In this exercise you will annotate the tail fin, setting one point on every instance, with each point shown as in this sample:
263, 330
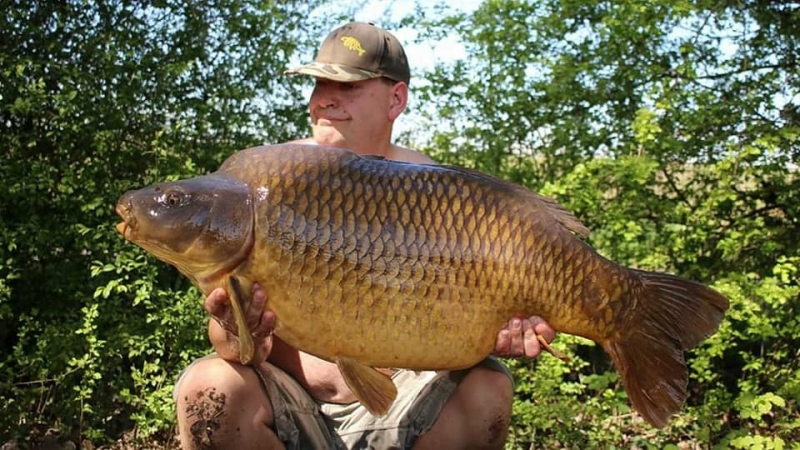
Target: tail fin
674, 314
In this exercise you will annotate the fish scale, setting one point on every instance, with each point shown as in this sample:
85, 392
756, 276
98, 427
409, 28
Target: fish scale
449, 244
371, 263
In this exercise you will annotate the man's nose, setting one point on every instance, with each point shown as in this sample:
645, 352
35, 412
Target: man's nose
327, 102
325, 97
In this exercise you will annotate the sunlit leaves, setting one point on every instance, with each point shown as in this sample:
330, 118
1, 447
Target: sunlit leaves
670, 129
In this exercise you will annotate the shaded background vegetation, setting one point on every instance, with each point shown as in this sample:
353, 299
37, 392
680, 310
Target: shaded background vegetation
669, 127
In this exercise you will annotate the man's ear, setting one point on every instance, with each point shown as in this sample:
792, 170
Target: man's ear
398, 99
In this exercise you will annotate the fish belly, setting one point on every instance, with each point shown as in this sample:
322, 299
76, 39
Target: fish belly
385, 325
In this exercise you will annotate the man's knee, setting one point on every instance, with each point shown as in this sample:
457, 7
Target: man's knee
219, 401
477, 415
488, 387
486, 397
213, 379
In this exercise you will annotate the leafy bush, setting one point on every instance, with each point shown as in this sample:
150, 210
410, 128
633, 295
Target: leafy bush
744, 379
96, 99
670, 128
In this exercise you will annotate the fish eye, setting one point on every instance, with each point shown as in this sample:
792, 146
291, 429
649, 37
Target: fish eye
172, 198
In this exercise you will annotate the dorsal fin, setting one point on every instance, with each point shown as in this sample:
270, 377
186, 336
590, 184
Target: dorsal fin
563, 216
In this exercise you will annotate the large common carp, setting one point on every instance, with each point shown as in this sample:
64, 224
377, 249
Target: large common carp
373, 263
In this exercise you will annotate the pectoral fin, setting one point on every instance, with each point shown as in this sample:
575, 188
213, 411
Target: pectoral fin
238, 299
375, 390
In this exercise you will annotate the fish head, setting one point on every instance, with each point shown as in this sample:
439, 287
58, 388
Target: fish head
203, 226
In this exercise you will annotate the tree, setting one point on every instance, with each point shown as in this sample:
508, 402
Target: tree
670, 128
96, 98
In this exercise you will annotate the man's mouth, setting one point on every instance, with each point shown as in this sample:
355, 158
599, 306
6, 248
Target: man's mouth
329, 117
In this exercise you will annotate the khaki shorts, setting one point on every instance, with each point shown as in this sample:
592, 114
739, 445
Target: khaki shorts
304, 423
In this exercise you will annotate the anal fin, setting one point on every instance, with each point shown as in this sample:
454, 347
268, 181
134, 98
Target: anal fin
375, 390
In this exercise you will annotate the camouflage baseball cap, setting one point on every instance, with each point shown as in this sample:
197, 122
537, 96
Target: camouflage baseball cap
358, 51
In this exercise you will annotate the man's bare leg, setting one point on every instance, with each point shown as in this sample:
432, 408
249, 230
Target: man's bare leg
476, 416
223, 405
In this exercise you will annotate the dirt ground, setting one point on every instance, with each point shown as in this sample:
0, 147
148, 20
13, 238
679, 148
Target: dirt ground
53, 440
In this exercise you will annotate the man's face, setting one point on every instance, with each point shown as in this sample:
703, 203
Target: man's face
356, 114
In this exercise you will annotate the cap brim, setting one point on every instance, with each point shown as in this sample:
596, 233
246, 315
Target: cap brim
335, 72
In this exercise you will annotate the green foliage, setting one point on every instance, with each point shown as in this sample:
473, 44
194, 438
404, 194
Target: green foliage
670, 128
96, 99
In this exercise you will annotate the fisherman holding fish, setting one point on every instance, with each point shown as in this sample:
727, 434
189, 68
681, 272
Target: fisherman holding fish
289, 399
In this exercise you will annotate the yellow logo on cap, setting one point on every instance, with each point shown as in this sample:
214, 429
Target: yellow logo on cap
352, 43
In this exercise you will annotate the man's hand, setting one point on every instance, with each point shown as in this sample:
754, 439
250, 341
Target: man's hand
222, 329
519, 338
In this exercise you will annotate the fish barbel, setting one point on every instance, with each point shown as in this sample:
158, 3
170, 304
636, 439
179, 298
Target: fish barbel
373, 263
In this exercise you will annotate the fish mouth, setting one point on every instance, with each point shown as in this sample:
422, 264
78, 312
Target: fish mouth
127, 228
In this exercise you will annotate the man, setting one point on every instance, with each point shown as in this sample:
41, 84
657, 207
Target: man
289, 399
